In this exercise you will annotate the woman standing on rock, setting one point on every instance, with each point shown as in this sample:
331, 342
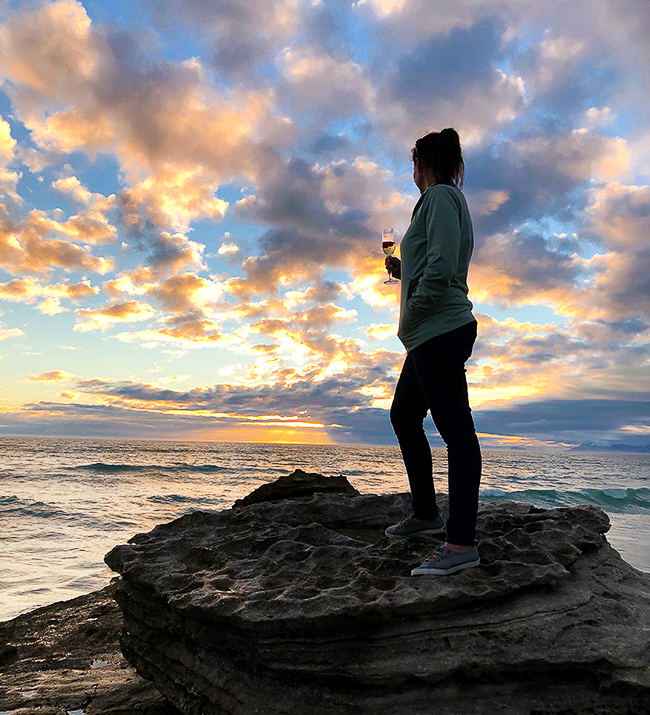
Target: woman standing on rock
438, 330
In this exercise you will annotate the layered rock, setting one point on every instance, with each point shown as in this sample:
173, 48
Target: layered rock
65, 658
297, 603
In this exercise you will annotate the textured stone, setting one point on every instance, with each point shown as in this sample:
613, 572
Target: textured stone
298, 484
65, 657
301, 605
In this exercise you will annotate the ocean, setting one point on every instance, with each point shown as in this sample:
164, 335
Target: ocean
64, 503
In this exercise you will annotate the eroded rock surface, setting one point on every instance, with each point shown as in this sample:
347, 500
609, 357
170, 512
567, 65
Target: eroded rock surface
299, 604
65, 658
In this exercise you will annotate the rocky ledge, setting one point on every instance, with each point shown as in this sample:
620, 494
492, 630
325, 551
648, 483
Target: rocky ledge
65, 658
293, 601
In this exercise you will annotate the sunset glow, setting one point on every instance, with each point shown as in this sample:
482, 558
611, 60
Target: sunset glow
192, 196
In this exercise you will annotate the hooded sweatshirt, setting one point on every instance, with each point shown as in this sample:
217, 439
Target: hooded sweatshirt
435, 253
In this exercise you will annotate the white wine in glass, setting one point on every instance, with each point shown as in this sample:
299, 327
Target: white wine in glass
388, 247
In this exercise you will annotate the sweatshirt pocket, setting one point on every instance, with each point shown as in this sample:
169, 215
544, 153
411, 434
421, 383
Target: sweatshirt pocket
410, 321
413, 284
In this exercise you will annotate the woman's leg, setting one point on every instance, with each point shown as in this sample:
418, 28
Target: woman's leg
439, 366
407, 415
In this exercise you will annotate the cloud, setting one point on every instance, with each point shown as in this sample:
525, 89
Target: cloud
101, 318
521, 267
571, 421
446, 80
619, 216
167, 253
8, 178
6, 333
26, 290
51, 376
25, 245
188, 329
240, 34
381, 332
321, 216
317, 82
7, 142
340, 404
187, 291
175, 197
176, 137
177, 294
537, 174
71, 186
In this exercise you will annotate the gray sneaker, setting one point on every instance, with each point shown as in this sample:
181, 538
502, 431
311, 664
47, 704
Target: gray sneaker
443, 560
410, 527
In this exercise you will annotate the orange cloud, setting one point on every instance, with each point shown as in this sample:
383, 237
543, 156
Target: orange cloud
65, 64
177, 294
102, 318
176, 138
73, 188
51, 376
25, 248
26, 290
619, 215
381, 332
175, 196
7, 142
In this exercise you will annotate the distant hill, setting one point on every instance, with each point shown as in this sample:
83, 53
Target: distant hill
612, 447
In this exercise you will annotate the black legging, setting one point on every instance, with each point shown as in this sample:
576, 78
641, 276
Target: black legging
433, 378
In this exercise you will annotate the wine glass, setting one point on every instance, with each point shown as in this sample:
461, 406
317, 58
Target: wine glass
388, 247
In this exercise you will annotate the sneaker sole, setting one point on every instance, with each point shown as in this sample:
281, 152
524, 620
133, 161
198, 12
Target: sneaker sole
441, 530
420, 571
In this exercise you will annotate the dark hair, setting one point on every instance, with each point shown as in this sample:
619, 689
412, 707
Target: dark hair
441, 152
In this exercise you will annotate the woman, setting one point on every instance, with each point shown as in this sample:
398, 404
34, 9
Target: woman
438, 330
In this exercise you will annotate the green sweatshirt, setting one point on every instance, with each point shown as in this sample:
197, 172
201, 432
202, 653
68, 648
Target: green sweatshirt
435, 252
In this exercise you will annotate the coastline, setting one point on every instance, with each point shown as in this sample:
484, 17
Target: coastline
66, 657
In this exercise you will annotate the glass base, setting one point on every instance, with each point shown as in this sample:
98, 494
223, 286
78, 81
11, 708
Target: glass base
390, 282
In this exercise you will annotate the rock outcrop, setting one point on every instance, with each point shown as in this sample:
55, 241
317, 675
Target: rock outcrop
299, 604
65, 658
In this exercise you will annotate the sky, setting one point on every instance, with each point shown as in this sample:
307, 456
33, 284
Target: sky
192, 195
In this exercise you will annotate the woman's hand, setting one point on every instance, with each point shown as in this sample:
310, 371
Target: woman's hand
394, 266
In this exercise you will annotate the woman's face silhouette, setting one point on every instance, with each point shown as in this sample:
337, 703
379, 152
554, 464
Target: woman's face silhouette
423, 176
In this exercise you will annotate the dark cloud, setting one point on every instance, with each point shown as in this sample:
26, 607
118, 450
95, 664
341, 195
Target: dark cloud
324, 144
542, 173
570, 421
528, 261
323, 291
308, 234
444, 67
240, 34
327, 26
567, 83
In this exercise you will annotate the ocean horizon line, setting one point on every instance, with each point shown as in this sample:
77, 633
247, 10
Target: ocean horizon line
551, 449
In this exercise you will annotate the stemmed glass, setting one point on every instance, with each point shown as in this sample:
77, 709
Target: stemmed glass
388, 247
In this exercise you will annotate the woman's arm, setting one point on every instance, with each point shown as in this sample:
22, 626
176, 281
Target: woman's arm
441, 215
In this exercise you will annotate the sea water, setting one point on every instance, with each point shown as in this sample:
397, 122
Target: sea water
64, 503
